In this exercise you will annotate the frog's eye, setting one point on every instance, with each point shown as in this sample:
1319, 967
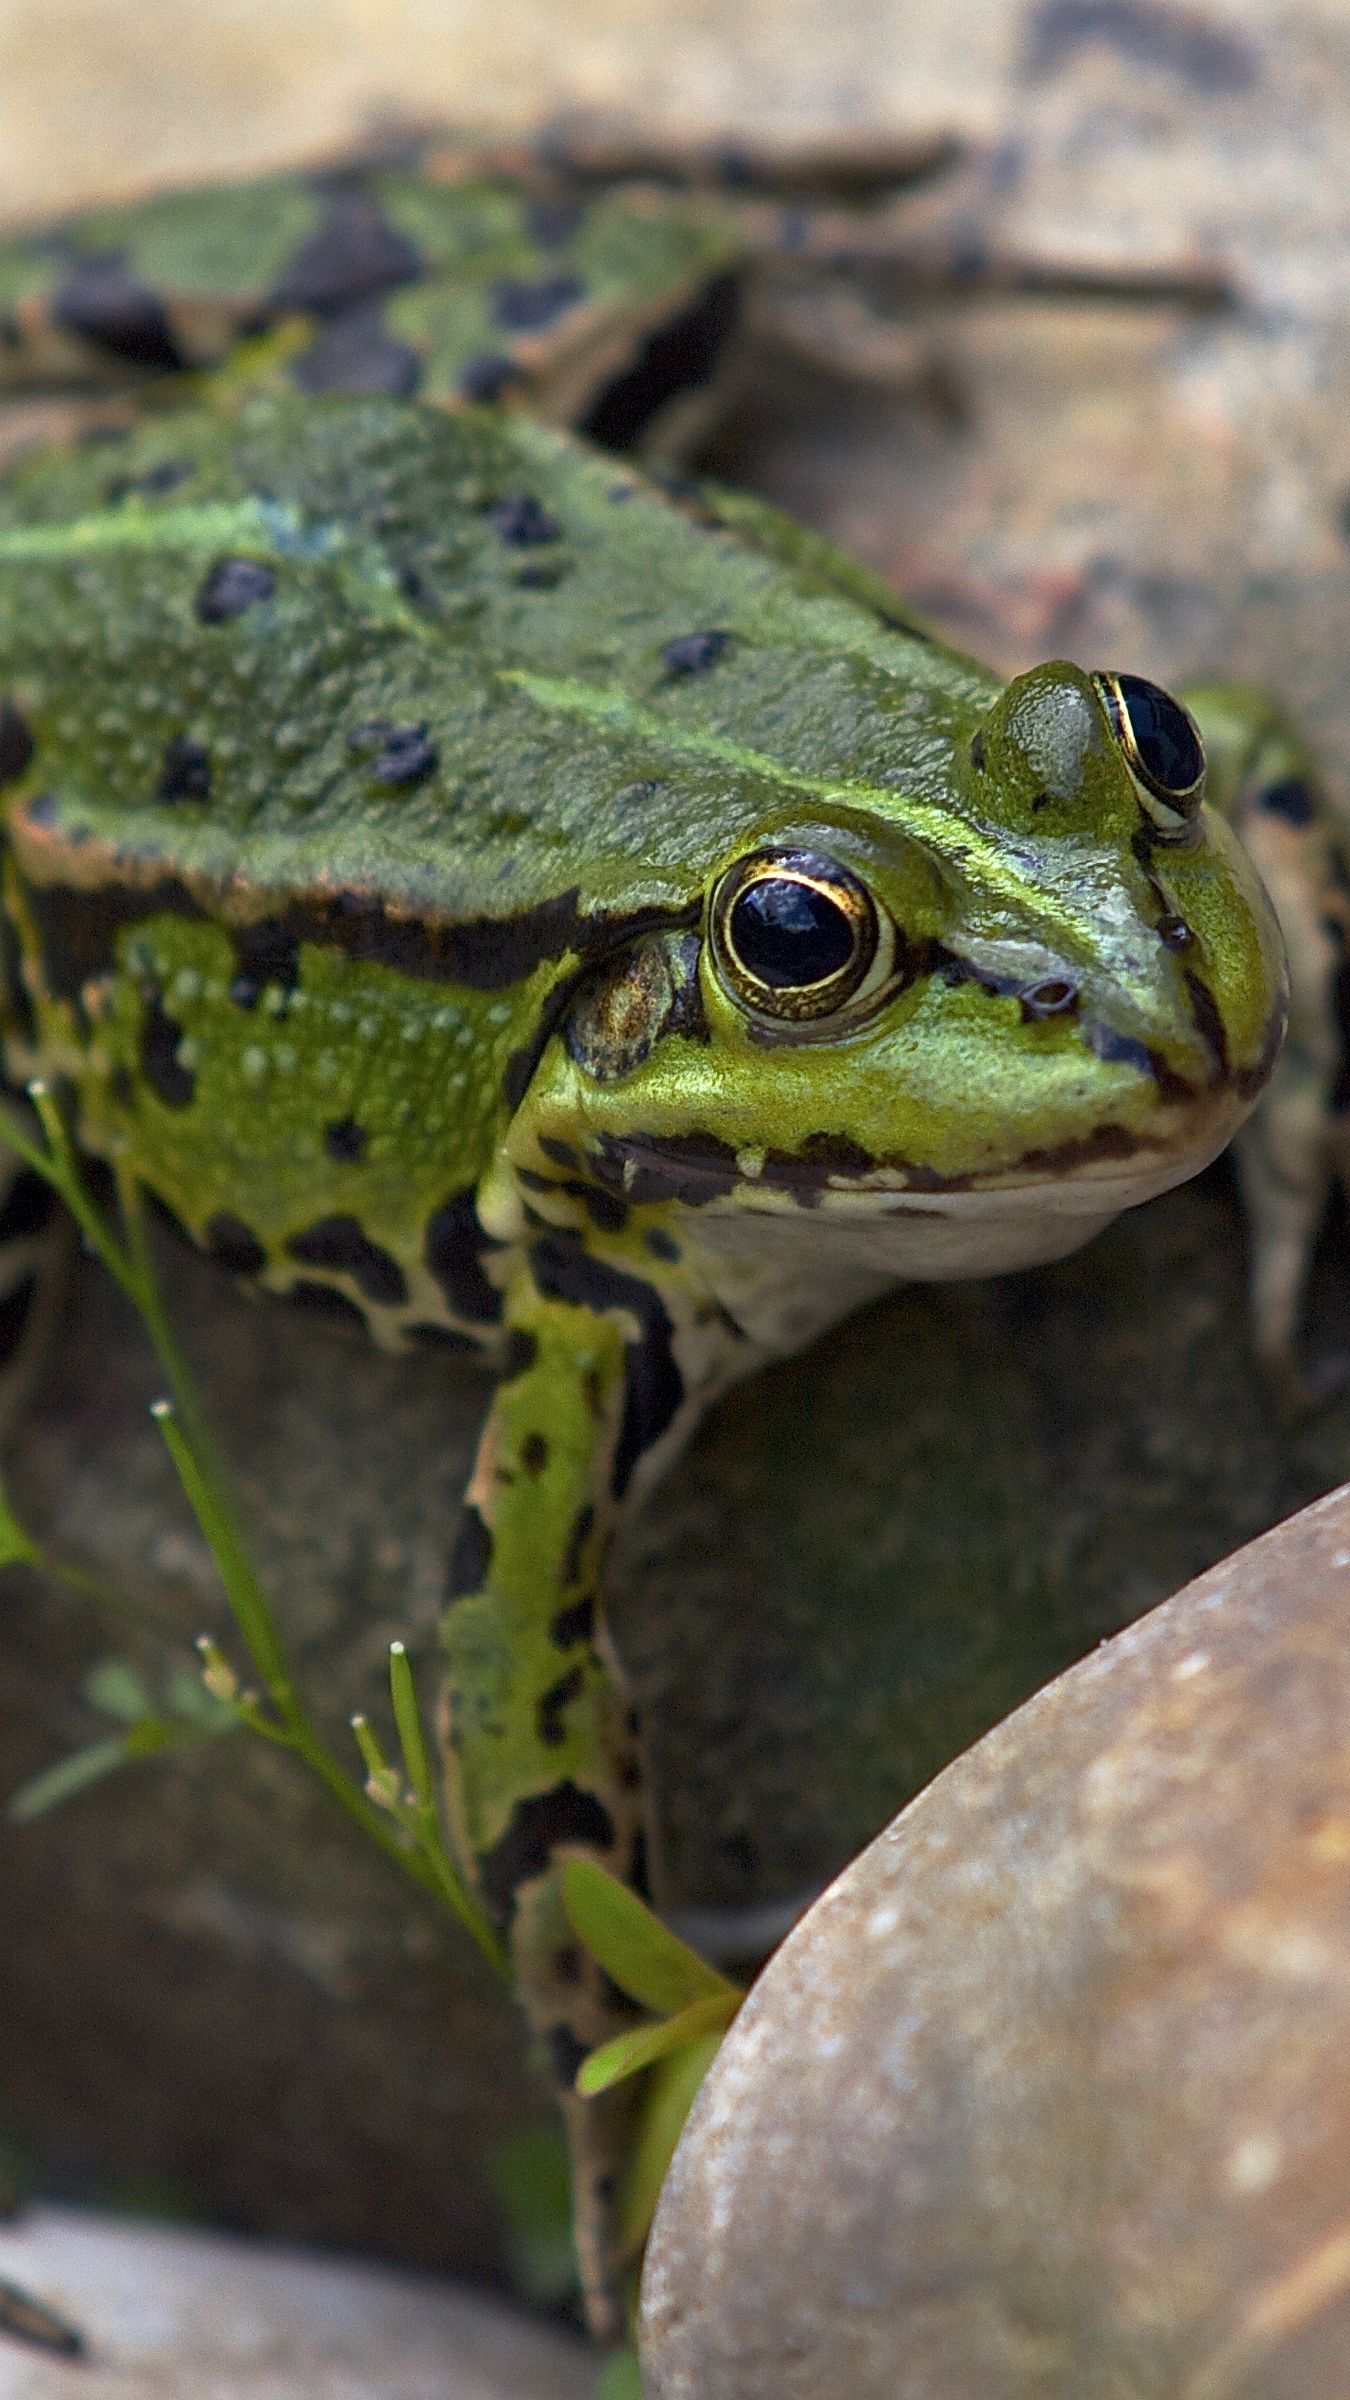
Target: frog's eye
795, 934
1162, 747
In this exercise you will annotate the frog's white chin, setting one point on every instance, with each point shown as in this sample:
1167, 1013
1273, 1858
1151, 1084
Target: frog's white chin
784, 1270
937, 1236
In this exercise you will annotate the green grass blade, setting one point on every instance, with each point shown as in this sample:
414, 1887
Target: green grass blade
636, 1950
252, 1614
69, 1775
628, 2053
408, 1719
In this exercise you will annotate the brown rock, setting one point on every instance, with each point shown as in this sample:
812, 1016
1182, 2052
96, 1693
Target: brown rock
1049, 2094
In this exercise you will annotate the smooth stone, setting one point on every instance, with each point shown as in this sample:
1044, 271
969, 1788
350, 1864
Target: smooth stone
1048, 2095
170, 2314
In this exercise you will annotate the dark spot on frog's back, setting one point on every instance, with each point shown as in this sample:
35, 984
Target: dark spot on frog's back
552, 223
185, 770
154, 483
521, 521
231, 586
160, 1064
345, 1142
455, 1246
339, 1242
489, 377
538, 1827
103, 303
395, 754
232, 1245
695, 653
519, 305
356, 353
353, 252
16, 743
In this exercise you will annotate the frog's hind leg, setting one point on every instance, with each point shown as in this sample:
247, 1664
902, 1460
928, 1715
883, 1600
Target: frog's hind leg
1298, 1137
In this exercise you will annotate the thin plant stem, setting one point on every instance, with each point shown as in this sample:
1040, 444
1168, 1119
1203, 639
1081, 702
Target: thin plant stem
416, 1846
256, 1624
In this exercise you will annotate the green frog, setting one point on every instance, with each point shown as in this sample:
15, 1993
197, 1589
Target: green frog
485, 891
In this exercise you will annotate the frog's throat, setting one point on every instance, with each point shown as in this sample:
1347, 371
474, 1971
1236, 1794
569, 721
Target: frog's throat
890, 1223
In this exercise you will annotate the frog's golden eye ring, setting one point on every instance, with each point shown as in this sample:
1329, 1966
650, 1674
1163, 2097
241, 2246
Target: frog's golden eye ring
795, 935
1162, 747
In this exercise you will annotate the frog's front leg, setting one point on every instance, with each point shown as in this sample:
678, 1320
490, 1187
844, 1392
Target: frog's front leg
1263, 779
540, 1738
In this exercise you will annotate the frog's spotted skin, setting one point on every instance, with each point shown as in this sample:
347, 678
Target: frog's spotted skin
412, 820
419, 279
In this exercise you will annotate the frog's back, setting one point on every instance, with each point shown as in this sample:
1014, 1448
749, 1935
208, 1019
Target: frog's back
454, 671
338, 741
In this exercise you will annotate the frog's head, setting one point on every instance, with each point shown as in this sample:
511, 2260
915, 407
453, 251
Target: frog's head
972, 1013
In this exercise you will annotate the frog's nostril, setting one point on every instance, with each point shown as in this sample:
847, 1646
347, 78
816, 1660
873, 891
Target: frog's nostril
1056, 996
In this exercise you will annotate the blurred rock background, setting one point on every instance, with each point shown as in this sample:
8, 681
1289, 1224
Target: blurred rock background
208, 1993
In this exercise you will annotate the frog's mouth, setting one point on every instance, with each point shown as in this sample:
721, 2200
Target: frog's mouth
899, 1219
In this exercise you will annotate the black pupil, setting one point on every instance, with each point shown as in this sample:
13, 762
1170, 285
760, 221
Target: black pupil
788, 933
1167, 742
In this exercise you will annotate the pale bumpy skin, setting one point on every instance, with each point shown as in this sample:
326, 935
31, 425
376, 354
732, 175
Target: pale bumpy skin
472, 886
